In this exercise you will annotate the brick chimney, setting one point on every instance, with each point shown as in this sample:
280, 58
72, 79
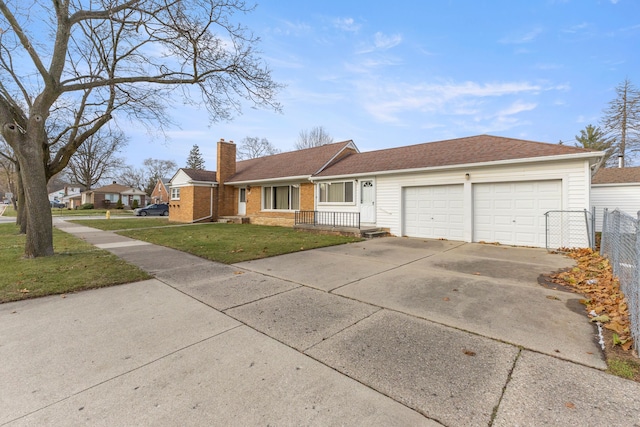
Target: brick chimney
226, 167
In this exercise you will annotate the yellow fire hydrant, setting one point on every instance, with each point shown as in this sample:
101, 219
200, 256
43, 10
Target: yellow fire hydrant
108, 214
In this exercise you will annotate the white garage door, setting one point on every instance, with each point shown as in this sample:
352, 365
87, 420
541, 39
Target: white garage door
434, 212
513, 213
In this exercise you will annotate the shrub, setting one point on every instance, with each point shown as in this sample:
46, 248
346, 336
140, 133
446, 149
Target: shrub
86, 206
134, 205
119, 204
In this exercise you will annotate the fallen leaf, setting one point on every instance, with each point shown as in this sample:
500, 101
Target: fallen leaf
477, 274
238, 272
602, 318
469, 352
570, 405
445, 299
553, 297
627, 346
24, 291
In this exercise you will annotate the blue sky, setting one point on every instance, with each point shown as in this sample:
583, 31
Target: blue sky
387, 74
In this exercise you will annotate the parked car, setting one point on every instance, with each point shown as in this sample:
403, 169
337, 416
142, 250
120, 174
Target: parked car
57, 204
161, 209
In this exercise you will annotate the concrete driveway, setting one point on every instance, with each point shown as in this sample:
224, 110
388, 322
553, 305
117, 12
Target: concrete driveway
384, 332
489, 290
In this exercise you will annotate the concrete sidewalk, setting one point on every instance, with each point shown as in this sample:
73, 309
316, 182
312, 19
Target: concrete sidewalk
385, 332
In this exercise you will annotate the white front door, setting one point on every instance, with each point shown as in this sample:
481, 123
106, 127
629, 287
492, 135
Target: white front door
242, 201
367, 201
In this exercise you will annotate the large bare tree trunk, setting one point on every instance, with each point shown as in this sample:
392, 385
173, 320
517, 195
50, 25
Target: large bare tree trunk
37, 208
28, 147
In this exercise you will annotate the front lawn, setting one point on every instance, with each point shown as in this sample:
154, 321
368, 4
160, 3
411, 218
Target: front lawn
75, 266
124, 223
231, 243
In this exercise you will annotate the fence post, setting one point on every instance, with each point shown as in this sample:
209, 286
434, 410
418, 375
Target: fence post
593, 226
546, 227
633, 291
604, 232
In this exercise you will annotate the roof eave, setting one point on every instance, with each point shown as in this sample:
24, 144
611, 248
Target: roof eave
595, 155
270, 180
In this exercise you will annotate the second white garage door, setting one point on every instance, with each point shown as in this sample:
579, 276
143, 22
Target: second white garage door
434, 212
513, 213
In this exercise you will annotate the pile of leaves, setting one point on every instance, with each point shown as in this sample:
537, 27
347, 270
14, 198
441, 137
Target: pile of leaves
605, 302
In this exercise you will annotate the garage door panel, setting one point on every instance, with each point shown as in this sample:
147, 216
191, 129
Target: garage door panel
513, 213
434, 211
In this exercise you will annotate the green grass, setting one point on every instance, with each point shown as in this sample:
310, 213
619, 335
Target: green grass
89, 212
75, 266
628, 369
125, 223
231, 243
10, 212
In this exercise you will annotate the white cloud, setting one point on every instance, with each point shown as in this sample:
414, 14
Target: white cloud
521, 38
481, 102
346, 24
384, 42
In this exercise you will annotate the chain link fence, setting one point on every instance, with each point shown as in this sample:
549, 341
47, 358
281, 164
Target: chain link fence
621, 245
569, 229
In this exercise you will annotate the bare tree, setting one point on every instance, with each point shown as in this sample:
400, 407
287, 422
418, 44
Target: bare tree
315, 137
254, 147
68, 67
11, 168
96, 157
622, 120
144, 178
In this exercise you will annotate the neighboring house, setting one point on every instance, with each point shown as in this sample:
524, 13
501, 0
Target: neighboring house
193, 196
108, 196
480, 188
615, 188
65, 192
160, 193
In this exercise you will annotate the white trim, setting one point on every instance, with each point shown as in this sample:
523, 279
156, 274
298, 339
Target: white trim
615, 184
546, 159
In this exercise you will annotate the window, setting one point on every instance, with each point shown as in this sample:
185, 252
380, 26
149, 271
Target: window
175, 193
112, 197
336, 192
284, 197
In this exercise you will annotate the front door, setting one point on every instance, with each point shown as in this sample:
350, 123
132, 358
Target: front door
367, 201
242, 201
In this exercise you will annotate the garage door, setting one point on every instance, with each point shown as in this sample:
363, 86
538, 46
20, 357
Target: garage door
513, 213
434, 212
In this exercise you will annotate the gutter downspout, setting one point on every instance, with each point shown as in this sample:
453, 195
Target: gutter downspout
210, 209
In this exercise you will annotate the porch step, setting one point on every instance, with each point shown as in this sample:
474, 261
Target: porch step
376, 232
234, 219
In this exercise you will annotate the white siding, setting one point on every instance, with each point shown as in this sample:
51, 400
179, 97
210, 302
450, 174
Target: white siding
574, 174
623, 197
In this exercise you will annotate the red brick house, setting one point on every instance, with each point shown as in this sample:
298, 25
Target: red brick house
160, 193
479, 188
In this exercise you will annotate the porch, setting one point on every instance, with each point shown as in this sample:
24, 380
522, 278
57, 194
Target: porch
345, 223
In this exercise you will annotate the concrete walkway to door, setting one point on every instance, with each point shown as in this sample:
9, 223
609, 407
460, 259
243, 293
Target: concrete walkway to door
389, 331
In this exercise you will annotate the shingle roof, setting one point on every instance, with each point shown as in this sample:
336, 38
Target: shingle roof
474, 149
293, 163
616, 176
112, 188
200, 175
